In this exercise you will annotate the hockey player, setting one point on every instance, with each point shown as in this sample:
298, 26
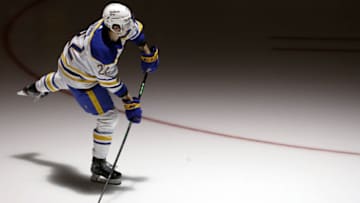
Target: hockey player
88, 69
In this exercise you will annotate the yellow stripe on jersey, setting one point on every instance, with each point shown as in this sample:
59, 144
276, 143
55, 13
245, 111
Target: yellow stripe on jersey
109, 83
95, 102
76, 70
140, 25
95, 28
71, 77
48, 81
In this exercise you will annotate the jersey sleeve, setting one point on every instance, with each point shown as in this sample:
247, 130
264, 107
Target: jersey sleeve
136, 35
107, 77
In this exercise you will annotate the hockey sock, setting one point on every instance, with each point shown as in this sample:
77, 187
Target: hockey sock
102, 142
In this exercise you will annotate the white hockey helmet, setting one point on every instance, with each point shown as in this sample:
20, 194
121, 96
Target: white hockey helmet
116, 14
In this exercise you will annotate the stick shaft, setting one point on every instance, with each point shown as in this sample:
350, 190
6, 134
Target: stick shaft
141, 91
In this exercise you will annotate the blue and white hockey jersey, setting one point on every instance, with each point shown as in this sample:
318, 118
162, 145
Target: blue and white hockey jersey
90, 57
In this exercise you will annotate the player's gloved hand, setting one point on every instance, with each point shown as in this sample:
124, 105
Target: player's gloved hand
150, 62
133, 110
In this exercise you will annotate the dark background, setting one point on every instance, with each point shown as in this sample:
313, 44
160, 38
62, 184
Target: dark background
212, 53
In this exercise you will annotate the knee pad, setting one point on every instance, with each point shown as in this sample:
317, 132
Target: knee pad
108, 121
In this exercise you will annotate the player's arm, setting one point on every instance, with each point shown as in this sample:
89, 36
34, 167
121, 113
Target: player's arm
144, 47
149, 54
107, 76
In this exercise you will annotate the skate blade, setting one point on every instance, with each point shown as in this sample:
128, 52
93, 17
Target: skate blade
100, 179
21, 93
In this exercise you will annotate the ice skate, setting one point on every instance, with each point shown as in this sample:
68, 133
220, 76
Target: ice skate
101, 170
31, 91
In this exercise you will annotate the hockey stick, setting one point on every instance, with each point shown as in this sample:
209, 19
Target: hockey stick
142, 86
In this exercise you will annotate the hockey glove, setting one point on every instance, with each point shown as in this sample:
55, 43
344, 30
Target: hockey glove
133, 110
150, 62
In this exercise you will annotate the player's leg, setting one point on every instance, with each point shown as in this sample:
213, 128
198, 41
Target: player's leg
50, 82
98, 102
